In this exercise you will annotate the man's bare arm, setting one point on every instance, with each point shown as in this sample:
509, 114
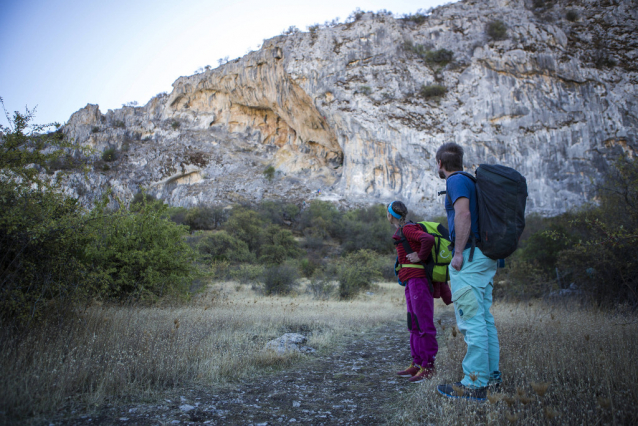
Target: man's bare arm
462, 229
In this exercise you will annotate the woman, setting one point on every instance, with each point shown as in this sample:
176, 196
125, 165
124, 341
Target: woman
419, 299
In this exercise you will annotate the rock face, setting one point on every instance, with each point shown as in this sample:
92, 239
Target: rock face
340, 108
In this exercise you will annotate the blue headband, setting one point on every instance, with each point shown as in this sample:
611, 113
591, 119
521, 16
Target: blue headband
392, 211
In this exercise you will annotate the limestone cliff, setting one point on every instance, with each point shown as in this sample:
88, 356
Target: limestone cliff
340, 109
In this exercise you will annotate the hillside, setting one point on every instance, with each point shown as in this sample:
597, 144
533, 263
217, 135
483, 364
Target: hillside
353, 110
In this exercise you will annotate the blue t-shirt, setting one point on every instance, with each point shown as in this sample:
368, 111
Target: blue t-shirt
461, 186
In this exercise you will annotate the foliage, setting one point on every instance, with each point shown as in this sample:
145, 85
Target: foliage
308, 266
42, 262
119, 124
269, 173
221, 246
356, 272
109, 155
602, 59
138, 255
95, 129
417, 18
323, 217
175, 125
280, 279
592, 248
432, 91
41, 241
440, 57
322, 286
571, 15
246, 225
367, 228
365, 90
247, 273
496, 30
355, 15
604, 262
26, 148
277, 245
205, 218
278, 213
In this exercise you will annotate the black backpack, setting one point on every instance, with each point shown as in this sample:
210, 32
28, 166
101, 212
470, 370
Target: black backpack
501, 195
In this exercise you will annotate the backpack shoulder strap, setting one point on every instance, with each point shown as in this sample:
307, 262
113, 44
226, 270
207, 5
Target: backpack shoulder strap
428, 265
447, 193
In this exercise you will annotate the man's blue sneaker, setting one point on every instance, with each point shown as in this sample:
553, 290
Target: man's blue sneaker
459, 391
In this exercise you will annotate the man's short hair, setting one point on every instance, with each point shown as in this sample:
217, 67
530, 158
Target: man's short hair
451, 157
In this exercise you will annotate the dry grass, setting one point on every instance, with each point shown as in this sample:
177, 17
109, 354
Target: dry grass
560, 365
109, 353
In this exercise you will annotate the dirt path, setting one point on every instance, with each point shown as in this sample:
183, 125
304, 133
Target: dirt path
352, 385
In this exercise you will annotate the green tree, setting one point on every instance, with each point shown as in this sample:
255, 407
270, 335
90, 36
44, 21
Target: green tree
278, 245
246, 225
357, 271
41, 238
138, 255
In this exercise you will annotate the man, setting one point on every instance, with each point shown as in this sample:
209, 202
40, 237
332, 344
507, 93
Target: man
472, 282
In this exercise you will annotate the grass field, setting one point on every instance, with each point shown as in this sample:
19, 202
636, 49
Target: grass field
561, 364
108, 353
584, 358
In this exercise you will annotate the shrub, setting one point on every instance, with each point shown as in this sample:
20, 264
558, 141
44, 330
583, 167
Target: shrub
109, 154
95, 129
524, 279
245, 225
417, 18
602, 59
321, 287
323, 217
356, 272
278, 244
269, 173
42, 259
280, 279
356, 15
142, 198
278, 213
571, 15
138, 256
308, 266
496, 30
205, 218
441, 56
603, 262
175, 125
220, 246
432, 91
313, 28
42, 236
366, 90
119, 124
367, 228
247, 274
386, 264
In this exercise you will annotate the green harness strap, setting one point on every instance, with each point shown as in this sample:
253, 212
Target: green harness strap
410, 266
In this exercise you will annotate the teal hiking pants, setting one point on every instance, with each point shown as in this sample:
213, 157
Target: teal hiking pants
472, 296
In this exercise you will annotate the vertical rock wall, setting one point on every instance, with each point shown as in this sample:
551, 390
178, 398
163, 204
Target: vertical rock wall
340, 109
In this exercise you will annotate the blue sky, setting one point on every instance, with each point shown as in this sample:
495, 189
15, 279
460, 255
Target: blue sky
62, 54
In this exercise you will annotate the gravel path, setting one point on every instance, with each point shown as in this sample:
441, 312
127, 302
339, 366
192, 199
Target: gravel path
355, 384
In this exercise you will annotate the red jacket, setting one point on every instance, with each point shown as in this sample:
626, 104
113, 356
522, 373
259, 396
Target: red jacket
421, 243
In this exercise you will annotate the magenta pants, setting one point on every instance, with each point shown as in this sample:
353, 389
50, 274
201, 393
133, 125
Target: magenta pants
420, 305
